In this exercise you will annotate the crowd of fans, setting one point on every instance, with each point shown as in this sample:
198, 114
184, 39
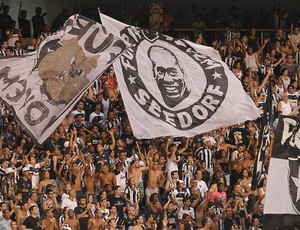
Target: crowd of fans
92, 173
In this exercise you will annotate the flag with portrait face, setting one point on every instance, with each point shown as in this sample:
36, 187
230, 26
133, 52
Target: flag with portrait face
41, 89
175, 87
282, 200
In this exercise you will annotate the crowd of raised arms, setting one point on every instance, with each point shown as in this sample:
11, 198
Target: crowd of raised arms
92, 173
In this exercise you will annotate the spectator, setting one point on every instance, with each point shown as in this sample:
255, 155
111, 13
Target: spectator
32, 221
38, 22
83, 212
24, 26
5, 20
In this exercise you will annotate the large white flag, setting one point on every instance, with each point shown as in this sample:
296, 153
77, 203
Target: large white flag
175, 87
282, 203
43, 88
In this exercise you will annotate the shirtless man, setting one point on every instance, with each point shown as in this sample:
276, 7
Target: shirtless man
96, 223
156, 178
72, 221
89, 181
49, 223
139, 223
135, 171
22, 214
75, 178
107, 177
245, 162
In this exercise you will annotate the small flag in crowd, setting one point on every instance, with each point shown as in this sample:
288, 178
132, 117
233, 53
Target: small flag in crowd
43, 88
174, 87
264, 139
282, 204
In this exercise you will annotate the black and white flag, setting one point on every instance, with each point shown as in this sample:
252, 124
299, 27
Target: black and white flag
175, 87
264, 139
282, 204
43, 88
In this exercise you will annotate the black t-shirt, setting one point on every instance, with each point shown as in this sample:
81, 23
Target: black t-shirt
120, 203
228, 223
24, 26
260, 217
32, 223
171, 215
129, 222
98, 158
25, 186
156, 215
83, 220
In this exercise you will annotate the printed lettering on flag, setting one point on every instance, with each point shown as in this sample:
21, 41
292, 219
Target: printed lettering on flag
178, 87
43, 88
282, 205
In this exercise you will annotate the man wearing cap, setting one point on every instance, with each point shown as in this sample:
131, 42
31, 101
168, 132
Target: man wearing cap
24, 184
8, 186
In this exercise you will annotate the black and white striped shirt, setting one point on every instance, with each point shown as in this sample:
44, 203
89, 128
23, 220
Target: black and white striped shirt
3, 53
189, 176
218, 211
132, 194
18, 52
204, 154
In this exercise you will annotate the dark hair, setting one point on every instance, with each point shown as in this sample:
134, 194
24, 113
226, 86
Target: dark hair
151, 199
186, 198
110, 220
185, 215
31, 208
173, 172
138, 216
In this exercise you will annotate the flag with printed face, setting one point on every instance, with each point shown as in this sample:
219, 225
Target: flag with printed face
175, 87
41, 89
282, 200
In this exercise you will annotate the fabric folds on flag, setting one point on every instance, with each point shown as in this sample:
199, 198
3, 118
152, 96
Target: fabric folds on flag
264, 139
175, 87
282, 204
43, 88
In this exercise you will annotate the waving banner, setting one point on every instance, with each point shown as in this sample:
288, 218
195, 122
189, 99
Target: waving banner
43, 88
282, 205
174, 87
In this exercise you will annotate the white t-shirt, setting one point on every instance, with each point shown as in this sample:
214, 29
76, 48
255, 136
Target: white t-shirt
190, 212
69, 204
201, 185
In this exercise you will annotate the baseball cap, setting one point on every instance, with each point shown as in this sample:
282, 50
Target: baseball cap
25, 169
87, 154
9, 170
